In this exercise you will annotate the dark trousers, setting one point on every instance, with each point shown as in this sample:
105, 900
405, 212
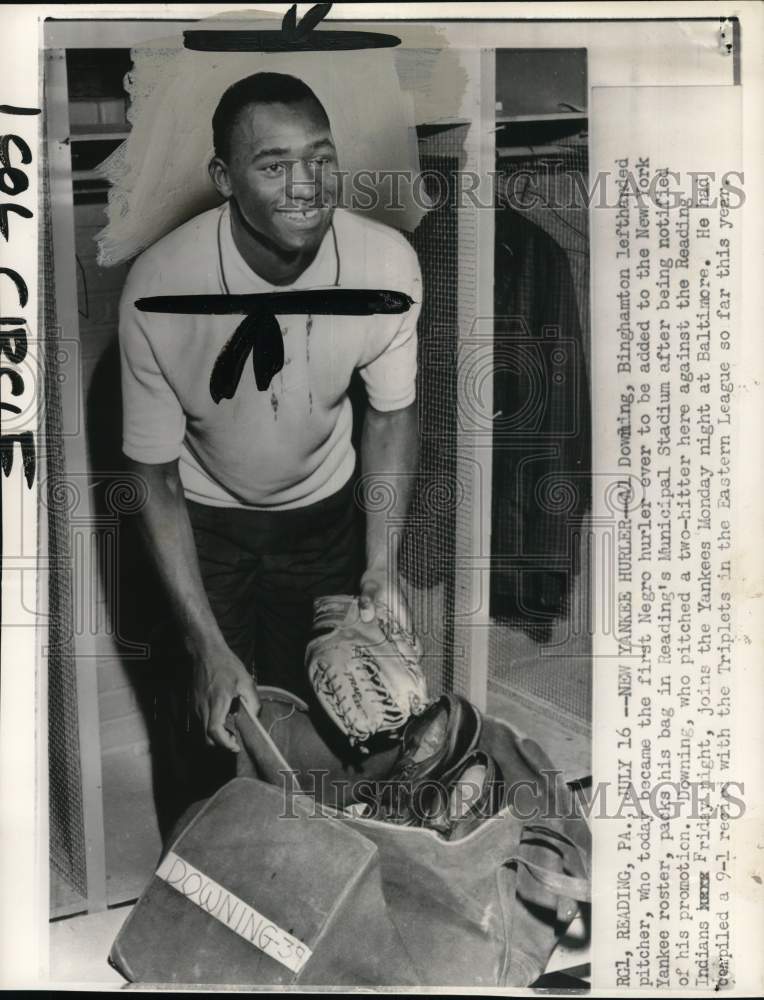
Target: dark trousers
261, 572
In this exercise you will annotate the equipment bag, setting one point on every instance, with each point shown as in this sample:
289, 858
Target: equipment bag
251, 893
486, 910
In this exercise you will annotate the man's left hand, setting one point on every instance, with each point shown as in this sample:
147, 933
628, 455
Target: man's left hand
380, 586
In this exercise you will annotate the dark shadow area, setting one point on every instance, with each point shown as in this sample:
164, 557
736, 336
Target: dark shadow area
137, 601
542, 431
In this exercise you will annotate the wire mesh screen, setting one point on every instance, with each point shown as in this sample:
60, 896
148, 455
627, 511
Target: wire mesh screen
539, 645
67, 837
429, 549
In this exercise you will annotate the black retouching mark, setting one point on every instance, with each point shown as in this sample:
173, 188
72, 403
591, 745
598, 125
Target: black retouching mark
273, 41
267, 349
261, 329
12, 109
322, 302
229, 364
86, 314
260, 332
292, 37
255, 333
297, 31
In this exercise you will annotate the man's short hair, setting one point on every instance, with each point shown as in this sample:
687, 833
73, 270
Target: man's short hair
260, 88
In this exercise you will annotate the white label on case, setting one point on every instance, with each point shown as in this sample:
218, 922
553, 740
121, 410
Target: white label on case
237, 915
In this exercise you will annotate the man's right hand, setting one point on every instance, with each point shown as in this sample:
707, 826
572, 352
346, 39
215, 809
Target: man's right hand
218, 675
219, 678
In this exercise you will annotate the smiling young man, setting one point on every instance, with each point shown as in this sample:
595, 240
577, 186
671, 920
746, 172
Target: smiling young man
251, 511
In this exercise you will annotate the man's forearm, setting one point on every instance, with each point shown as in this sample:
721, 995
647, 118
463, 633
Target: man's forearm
167, 529
218, 675
389, 461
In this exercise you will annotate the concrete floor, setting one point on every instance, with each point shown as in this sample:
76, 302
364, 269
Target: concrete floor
568, 747
79, 947
131, 833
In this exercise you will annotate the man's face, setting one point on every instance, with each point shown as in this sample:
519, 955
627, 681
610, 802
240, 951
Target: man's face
281, 172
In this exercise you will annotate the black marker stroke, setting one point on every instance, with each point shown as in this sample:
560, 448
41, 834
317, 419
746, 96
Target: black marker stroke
273, 41
12, 109
28, 454
21, 287
293, 36
260, 332
321, 302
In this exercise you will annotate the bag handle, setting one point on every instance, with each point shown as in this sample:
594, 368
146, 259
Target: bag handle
569, 889
573, 853
567, 886
268, 756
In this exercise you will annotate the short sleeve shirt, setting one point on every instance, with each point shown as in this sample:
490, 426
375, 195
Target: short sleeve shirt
290, 445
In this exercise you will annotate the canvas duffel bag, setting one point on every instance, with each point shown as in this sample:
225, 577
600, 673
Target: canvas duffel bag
486, 910
247, 896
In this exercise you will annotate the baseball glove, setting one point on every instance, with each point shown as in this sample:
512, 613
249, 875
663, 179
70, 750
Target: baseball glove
366, 675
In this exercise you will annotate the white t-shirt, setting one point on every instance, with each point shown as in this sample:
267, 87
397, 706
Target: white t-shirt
290, 445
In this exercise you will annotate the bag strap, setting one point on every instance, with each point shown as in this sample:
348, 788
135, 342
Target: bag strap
569, 889
574, 855
568, 886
